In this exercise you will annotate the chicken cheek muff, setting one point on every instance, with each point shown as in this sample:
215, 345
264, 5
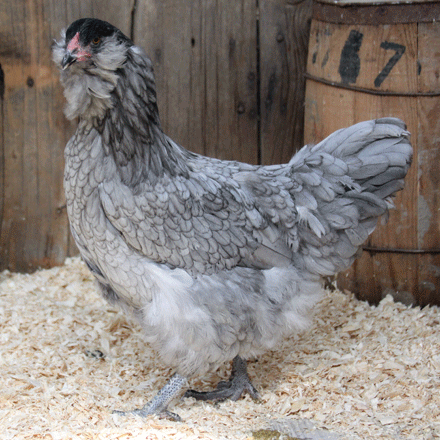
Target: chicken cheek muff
218, 260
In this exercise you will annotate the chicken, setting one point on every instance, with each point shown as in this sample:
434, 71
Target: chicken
217, 260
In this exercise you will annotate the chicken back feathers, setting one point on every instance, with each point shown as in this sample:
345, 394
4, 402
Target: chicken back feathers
215, 258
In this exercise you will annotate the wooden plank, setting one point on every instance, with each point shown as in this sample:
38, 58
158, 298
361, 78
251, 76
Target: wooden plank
197, 49
428, 53
429, 279
327, 109
428, 109
397, 275
284, 32
360, 279
118, 14
428, 206
163, 30
34, 229
28, 86
373, 276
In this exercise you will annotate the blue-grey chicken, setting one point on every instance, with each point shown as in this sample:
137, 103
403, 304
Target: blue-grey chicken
218, 260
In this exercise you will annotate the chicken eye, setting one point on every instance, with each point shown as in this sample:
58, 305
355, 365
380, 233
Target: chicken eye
96, 40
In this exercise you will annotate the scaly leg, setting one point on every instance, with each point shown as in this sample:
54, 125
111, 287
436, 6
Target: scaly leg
158, 405
232, 389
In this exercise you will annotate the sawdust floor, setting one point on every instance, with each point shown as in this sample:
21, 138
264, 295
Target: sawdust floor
360, 371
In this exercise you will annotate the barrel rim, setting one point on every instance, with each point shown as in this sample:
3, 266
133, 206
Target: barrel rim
379, 14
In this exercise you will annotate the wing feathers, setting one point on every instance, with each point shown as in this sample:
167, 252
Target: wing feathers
314, 211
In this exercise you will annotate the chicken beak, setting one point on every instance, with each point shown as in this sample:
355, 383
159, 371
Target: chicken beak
68, 60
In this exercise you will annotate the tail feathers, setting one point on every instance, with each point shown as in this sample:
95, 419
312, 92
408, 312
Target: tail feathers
377, 154
360, 169
392, 173
349, 141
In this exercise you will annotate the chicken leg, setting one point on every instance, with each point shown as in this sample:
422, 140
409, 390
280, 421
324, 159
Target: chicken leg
159, 403
232, 389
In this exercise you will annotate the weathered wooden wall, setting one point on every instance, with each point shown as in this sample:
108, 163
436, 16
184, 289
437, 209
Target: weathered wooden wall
230, 84
33, 224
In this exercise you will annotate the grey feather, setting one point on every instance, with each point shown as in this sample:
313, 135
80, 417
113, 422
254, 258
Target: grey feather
215, 258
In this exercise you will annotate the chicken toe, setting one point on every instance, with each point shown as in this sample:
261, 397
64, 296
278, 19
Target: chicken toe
232, 389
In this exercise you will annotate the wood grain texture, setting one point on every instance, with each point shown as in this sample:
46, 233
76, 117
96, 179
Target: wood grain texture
428, 52
34, 229
428, 286
283, 43
33, 135
204, 54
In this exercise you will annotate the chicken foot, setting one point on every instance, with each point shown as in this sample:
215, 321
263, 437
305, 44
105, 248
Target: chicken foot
233, 388
159, 403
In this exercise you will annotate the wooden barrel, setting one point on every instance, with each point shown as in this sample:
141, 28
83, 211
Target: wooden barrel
366, 62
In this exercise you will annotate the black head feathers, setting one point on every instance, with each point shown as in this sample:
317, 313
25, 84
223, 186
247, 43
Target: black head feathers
92, 29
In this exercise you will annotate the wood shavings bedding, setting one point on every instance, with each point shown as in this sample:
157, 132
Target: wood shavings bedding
360, 371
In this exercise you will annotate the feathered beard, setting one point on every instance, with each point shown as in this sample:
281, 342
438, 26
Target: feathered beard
88, 84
